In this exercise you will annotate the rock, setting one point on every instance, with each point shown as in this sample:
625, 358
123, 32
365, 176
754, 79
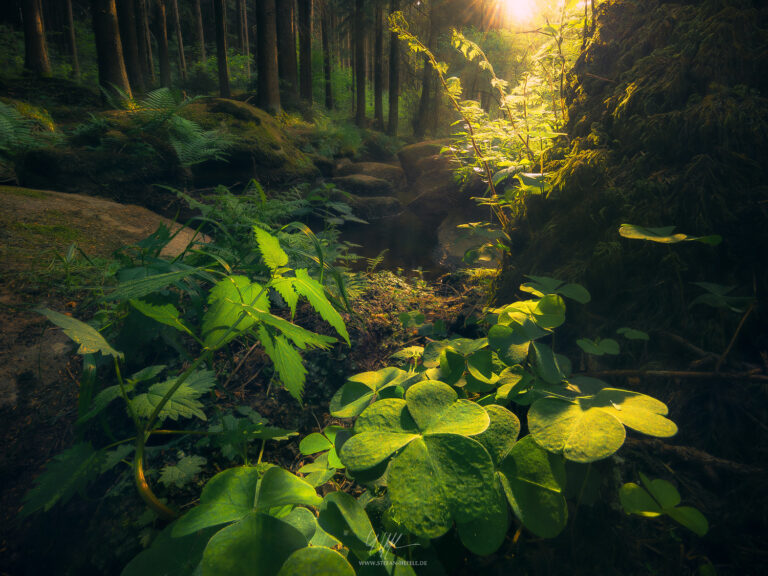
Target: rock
412, 154
261, 149
377, 147
389, 172
370, 208
324, 164
363, 185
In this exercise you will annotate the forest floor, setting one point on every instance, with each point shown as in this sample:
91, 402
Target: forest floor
39, 373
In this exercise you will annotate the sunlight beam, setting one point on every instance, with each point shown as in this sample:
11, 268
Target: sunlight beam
519, 11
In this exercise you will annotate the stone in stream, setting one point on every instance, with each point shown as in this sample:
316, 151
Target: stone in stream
364, 185
389, 172
411, 155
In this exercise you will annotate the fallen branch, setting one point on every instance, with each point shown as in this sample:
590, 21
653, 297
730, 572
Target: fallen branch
752, 376
693, 455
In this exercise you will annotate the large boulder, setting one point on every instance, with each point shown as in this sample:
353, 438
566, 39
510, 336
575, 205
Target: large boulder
389, 172
260, 150
411, 155
364, 185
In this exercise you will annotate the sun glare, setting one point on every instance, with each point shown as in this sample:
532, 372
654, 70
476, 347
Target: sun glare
520, 11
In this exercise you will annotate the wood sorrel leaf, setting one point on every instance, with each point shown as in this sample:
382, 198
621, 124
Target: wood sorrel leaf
316, 561
362, 389
533, 480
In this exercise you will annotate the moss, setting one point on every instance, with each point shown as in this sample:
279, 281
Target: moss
668, 118
27, 192
261, 148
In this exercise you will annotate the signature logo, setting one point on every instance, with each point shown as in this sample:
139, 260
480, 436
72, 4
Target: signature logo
390, 540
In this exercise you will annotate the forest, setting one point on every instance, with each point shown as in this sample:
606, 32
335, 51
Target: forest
383, 287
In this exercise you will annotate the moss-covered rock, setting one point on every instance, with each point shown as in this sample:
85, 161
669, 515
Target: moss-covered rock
669, 123
261, 148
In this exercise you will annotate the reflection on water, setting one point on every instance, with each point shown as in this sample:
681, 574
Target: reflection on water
409, 242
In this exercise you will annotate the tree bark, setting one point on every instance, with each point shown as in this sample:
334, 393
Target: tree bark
305, 50
127, 21
109, 50
325, 25
161, 33
179, 40
288, 68
394, 76
378, 69
200, 33
242, 34
359, 52
220, 15
35, 46
144, 42
72, 41
266, 36
426, 112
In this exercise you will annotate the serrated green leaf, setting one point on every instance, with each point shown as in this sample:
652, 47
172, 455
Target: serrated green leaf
226, 316
165, 314
288, 362
67, 473
284, 287
183, 404
271, 252
311, 289
100, 402
183, 472
90, 340
144, 286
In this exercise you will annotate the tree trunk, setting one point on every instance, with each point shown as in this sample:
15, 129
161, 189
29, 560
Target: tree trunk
426, 111
200, 33
378, 69
127, 21
35, 47
72, 41
325, 25
161, 33
179, 40
144, 42
245, 46
266, 36
288, 68
394, 76
359, 52
220, 15
305, 50
109, 50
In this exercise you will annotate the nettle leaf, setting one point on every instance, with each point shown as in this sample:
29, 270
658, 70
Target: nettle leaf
140, 287
659, 497
90, 340
183, 404
664, 235
100, 402
284, 287
166, 314
316, 561
226, 316
362, 389
288, 362
313, 291
591, 428
599, 347
183, 472
169, 555
68, 473
533, 481
438, 474
271, 252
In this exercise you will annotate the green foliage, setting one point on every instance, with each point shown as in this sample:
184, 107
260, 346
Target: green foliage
657, 498
664, 235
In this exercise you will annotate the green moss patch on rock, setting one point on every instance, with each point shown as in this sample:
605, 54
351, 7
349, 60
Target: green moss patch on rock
261, 148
